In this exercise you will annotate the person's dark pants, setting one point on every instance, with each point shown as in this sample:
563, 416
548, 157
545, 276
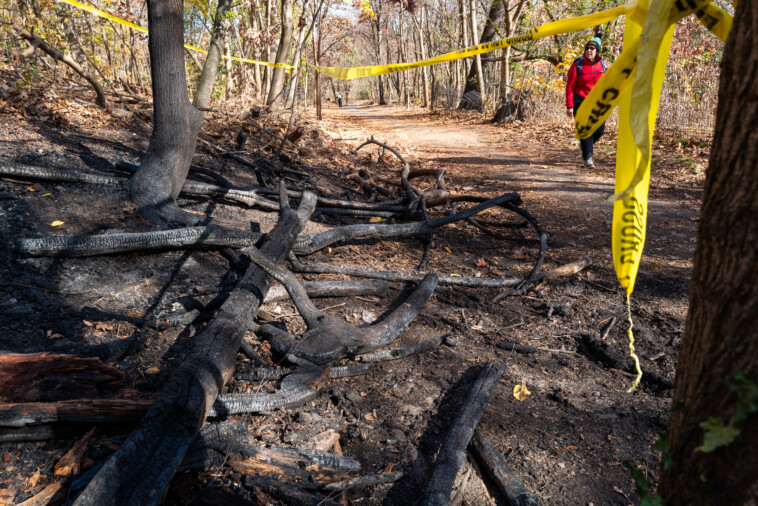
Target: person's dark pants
339, 102
588, 144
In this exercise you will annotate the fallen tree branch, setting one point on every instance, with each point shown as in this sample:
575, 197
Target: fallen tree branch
397, 353
452, 455
329, 338
57, 55
141, 469
501, 473
39, 421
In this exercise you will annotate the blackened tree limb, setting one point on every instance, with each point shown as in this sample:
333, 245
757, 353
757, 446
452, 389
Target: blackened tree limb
316, 242
404, 184
216, 236
452, 455
501, 473
139, 472
329, 338
397, 353
249, 197
403, 276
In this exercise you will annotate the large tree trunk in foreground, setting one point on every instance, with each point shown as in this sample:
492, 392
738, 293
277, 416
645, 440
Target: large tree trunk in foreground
213, 60
721, 336
176, 122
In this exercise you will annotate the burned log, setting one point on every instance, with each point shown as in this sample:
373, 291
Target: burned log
141, 469
38, 421
329, 338
32, 377
452, 455
501, 473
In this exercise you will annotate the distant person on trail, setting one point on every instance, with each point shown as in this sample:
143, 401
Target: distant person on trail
339, 98
582, 77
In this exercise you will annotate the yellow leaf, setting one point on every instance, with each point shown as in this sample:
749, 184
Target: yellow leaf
447, 249
520, 392
47, 194
375, 219
29, 188
56, 223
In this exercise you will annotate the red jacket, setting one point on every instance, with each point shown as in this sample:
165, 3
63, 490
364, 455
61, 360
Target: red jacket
581, 85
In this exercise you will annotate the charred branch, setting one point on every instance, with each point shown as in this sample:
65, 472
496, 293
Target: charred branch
142, 468
501, 473
452, 455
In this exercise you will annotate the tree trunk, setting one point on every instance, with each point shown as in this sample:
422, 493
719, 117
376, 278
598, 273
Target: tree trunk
494, 21
301, 38
276, 93
212, 61
176, 122
721, 336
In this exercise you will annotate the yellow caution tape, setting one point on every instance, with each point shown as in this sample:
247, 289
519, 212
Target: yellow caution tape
547, 30
607, 93
644, 67
116, 19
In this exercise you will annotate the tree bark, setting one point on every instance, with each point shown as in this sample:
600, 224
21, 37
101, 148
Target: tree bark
276, 93
478, 58
721, 335
176, 122
212, 61
494, 20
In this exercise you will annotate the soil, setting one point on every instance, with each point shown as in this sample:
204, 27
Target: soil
566, 440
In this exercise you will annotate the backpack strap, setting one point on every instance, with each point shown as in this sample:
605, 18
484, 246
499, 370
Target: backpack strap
578, 63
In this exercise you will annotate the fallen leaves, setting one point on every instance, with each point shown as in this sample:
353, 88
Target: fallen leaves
520, 392
56, 223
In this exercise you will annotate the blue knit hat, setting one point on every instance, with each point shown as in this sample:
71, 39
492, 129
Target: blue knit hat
596, 41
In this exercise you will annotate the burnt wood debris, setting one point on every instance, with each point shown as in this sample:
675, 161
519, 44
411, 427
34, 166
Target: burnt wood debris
185, 426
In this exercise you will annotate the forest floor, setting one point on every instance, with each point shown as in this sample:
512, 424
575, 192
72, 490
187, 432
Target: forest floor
566, 440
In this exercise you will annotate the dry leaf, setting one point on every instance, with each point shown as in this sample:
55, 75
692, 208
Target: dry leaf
33, 479
153, 370
480, 262
520, 392
447, 249
56, 223
375, 219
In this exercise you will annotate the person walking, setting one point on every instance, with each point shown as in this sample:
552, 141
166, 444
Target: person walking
339, 98
585, 72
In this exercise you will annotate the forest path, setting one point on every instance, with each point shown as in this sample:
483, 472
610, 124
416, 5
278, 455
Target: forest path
540, 161
504, 158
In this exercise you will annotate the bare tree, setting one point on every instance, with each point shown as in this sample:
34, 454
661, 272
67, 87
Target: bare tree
215, 51
276, 93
